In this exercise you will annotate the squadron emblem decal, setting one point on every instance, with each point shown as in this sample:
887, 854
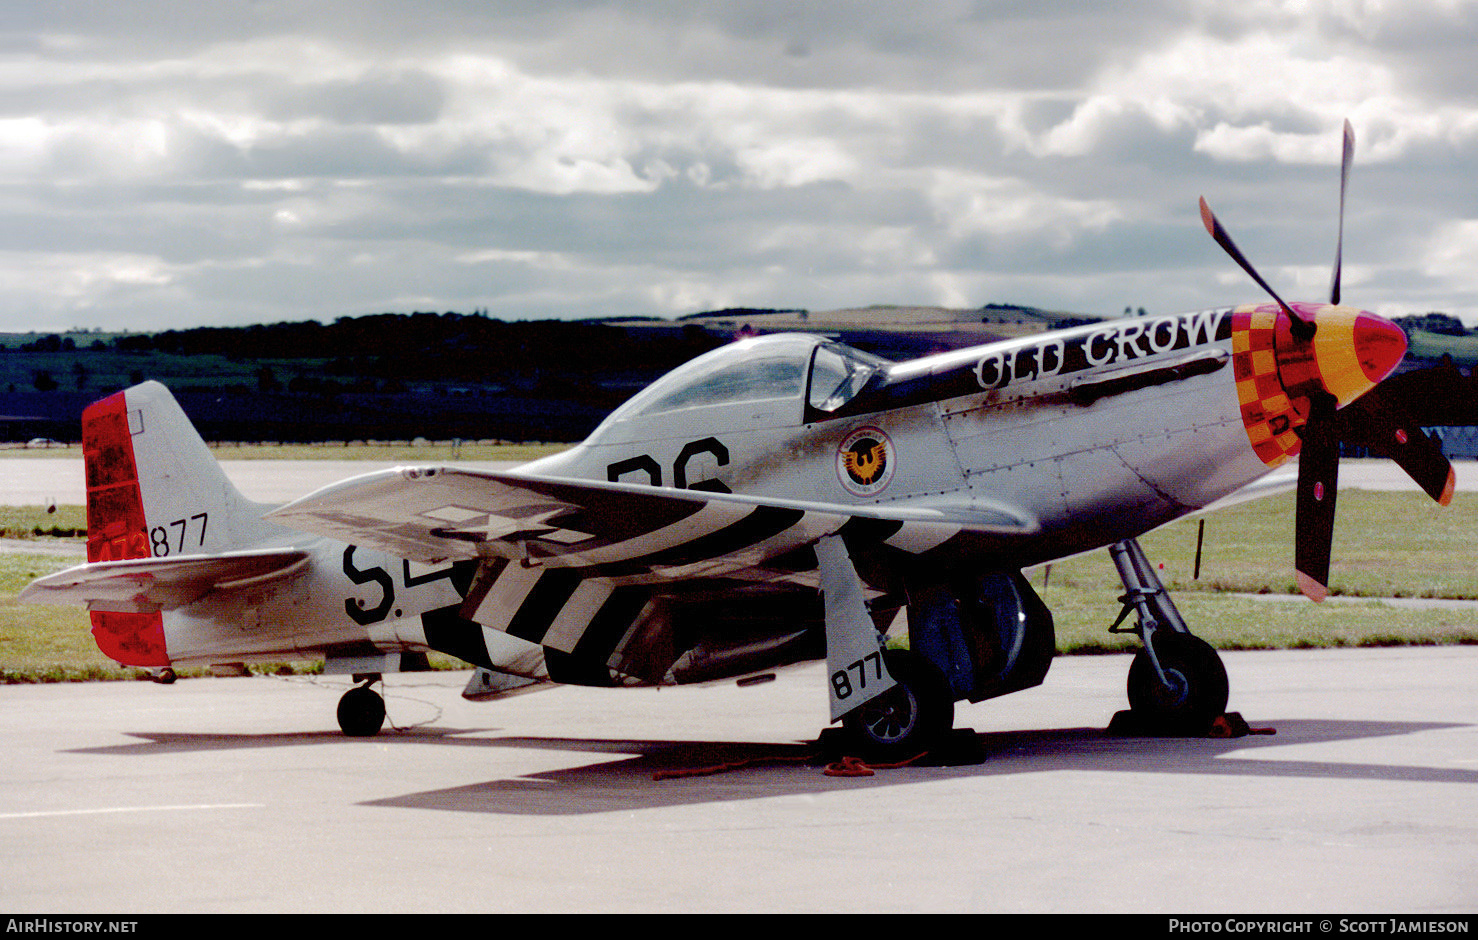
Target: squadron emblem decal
865, 462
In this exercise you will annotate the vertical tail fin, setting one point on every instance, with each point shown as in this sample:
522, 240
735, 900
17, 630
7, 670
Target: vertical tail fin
153, 487
154, 490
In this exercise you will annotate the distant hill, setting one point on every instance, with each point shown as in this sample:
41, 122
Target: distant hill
440, 375
1432, 336
895, 332
386, 376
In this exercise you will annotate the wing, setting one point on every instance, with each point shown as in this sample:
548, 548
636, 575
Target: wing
612, 580
146, 585
613, 531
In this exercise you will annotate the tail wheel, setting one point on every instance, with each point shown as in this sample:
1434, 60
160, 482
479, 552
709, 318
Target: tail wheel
908, 719
1195, 691
361, 712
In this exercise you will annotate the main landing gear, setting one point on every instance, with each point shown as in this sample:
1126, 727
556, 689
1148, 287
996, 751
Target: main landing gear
1177, 683
971, 637
361, 709
907, 720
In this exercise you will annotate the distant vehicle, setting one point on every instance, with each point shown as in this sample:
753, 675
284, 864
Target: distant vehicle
43, 442
775, 501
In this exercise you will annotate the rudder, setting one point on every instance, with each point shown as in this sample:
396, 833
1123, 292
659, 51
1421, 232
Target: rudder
154, 490
153, 487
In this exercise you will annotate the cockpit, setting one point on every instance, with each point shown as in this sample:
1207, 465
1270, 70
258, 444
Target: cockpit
778, 380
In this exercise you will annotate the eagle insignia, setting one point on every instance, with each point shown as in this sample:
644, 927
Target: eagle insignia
865, 461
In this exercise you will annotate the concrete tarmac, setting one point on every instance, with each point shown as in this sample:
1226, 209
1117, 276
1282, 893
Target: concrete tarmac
239, 795
42, 481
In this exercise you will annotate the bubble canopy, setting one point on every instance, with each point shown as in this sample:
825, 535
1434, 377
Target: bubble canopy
783, 367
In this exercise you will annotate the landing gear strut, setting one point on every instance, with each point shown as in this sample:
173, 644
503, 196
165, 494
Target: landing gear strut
361, 709
1177, 683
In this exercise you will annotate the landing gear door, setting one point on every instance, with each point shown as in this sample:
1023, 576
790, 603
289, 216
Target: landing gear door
854, 648
989, 634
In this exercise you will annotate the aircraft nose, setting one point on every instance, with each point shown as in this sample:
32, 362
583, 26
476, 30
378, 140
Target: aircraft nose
1379, 345
1355, 349
1279, 374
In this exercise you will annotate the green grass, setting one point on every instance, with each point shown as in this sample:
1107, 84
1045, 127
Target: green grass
1083, 613
1462, 349
43, 522
1386, 544
41, 643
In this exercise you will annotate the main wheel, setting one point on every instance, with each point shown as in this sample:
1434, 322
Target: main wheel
361, 712
1196, 693
908, 719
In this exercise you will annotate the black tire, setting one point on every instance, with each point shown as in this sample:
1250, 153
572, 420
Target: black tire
361, 712
1198, 689
908, 719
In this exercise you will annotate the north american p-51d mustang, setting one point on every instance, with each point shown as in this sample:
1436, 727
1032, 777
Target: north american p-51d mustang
775, 501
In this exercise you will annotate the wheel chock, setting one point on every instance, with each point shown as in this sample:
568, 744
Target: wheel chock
1130, 724
962, 747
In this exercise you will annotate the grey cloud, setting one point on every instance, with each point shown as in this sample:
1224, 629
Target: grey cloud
564, 159
379, 97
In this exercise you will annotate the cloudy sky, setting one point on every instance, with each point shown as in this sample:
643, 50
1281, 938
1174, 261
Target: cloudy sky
170, 164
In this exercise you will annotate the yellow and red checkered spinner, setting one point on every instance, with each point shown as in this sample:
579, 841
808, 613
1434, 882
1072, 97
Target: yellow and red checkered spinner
1277, 372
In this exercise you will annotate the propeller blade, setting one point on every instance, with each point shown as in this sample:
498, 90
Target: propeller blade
1378, 421
1302, 328
1344, 183
1318, 483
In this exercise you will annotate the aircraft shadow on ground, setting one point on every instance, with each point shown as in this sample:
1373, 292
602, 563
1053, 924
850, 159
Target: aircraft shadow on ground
783, 769
754, 770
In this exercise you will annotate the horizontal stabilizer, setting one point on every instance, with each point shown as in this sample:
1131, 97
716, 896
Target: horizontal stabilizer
145, 585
